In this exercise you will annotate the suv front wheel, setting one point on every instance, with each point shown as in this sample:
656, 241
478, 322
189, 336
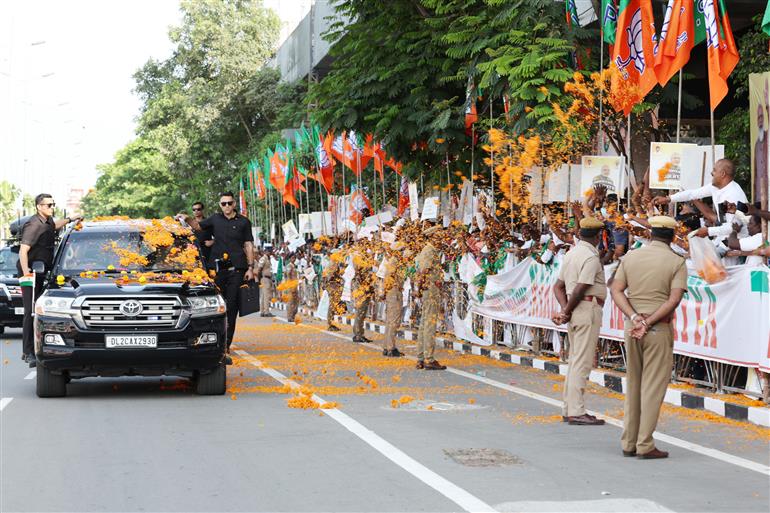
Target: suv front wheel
50, 384
212, 383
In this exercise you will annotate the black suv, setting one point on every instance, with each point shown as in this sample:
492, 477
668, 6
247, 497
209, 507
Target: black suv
11, 307
105, 314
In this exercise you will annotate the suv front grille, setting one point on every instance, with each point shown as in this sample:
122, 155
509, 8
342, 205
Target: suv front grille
157, 312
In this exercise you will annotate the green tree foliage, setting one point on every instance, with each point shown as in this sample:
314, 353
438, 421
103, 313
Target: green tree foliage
9, 193
402, 72
205, 109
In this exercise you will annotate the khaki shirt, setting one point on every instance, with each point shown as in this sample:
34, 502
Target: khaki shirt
264, 267
429, 261
650, 273
581, 264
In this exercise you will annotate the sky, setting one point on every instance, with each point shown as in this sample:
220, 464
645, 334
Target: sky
66, 87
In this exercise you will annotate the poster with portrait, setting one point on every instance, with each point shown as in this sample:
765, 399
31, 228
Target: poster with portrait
759, 111
602, 170
667, 165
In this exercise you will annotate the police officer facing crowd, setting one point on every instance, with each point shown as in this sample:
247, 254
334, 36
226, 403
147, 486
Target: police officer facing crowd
580, 290
647, 287
232, 254
38, 237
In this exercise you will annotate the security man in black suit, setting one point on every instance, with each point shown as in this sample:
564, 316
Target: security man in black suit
38, 238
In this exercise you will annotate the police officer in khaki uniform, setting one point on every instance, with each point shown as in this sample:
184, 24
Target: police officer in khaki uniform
647, 287
265, 272
392, 286
581, 291
332, 279
363, 291
429, 277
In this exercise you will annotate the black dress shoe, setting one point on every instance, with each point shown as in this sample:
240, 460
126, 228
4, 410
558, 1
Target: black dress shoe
434, 365
31, 361
585, 420
228, 360
654, 454
395, 352
332, 327
420, 364
629, 454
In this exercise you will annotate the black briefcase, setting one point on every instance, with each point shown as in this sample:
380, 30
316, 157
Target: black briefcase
248, 298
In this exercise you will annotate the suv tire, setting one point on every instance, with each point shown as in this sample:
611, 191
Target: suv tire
213, 382
50, 384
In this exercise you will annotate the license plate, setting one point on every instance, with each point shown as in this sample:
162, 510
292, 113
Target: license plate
118, 341
19, 310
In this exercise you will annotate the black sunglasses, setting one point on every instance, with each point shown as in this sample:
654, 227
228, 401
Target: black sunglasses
226, 203
51, 205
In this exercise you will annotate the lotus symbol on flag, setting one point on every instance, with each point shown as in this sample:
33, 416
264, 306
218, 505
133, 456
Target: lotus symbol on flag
323, 157
709, 14
635, 47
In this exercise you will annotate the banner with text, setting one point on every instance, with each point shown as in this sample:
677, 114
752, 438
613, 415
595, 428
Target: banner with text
727, 322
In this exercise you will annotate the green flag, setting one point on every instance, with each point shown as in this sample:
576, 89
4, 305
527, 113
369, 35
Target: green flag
609, 20
766, 20
700, 23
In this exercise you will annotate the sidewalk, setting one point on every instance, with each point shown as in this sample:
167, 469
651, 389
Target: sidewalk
680, 395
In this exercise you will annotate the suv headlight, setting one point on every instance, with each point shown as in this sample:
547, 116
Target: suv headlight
54, 306
204, 306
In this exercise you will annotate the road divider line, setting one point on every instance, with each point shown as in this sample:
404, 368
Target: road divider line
31, 375
451, 491
672, 440
5, 401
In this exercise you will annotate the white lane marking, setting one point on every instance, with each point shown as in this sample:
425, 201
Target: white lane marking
678, 442
451, 491
31, 375
5, 401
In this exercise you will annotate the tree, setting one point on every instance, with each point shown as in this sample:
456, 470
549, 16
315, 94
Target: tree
9, 194
204, 109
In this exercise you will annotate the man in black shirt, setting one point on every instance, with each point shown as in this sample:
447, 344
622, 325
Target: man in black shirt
232, 254
38, 237
203, 236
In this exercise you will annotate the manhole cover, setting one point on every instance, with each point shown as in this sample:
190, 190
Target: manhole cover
482, 457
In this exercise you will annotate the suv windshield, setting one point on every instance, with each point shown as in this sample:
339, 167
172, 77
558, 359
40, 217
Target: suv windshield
101, 250
8, 260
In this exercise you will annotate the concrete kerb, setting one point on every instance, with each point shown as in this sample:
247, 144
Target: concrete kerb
601, 377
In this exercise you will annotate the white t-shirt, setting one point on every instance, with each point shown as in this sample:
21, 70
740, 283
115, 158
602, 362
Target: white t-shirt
751, 243
731, 192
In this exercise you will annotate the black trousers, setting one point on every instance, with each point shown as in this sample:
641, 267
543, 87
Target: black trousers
28, 327
229, 282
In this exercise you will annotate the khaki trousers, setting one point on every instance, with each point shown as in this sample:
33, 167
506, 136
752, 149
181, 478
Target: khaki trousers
362, 307
583, 337
265, 295
426, 334
649, 362
393, 313
335, 295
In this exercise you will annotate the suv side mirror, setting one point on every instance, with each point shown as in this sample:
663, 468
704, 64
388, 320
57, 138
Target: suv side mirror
38, 267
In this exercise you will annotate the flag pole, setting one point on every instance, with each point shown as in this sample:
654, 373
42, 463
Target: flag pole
713, 148
601, 89
679, 108
491, 160
628, 159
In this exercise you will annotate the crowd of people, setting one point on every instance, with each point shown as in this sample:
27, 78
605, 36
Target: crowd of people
647, 238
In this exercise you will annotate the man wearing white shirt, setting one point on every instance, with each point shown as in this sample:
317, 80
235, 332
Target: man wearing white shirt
723, 189
753, 241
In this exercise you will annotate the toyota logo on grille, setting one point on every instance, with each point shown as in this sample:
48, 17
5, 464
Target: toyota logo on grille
131, 308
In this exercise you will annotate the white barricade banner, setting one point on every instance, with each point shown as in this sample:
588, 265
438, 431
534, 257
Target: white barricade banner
727, 322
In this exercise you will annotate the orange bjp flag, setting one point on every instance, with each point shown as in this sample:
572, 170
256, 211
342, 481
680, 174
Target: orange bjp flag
633, 55
677, 39
722, 51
